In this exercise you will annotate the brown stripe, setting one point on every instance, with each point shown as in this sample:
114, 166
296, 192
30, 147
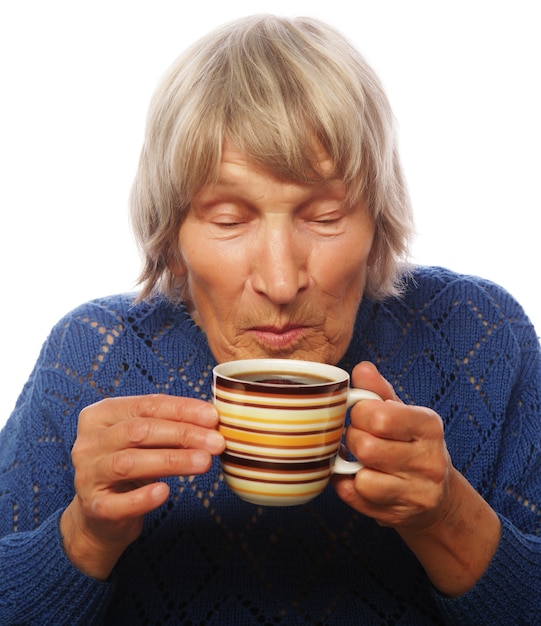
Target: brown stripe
282, 433
276, 482
274, 466
285, 390
253, 455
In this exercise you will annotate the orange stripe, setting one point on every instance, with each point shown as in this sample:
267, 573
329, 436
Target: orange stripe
287, 441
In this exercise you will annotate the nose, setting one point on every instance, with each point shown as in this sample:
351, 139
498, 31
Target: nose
280, 264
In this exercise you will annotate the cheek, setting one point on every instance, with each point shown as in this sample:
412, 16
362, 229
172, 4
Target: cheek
344, 275
204, 260
199, 263
213, 283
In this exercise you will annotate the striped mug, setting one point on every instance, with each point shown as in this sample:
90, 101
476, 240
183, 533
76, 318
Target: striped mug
283, 422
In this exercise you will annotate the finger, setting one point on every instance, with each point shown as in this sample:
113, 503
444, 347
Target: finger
160, 433
356, 491
397, 421
414, 496
384, 455
390, 501
163, 436
177, 408
158, 406
365, 375
113, 507
132, 466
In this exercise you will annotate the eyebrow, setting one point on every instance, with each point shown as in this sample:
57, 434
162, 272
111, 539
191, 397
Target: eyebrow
233, 182
231, 189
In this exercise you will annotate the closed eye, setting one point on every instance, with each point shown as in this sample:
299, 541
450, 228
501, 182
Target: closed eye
328, 223
228, 223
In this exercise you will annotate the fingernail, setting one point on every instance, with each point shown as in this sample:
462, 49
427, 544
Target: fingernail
200, 458
159, 492
209, 414
214, 440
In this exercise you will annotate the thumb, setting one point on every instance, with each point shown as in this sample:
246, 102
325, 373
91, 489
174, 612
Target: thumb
365, 375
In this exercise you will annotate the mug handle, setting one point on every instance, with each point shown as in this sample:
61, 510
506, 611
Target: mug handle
341, 466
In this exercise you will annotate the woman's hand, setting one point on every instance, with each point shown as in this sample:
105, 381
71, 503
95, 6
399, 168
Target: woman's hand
406, 476
123, 446
410, 484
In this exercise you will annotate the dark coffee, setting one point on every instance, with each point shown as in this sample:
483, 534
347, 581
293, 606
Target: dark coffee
283, 378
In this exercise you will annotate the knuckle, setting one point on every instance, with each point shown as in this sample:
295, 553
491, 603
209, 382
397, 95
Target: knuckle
83, 415
146, 405
80, 482
89, 416
171, 462
369, 447
122, 464
433, 420
361, 446
85, 418
185, 436
77, 453
383, 420
81, 451
100, 508
137, 430
439, 426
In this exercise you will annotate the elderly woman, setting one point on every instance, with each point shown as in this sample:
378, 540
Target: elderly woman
271, 209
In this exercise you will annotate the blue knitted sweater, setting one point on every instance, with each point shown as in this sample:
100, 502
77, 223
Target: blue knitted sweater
457, 344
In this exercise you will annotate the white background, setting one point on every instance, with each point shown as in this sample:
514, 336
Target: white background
76, 77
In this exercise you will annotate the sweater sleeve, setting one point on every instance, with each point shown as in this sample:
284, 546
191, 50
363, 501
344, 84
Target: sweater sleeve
38, 583
508, 592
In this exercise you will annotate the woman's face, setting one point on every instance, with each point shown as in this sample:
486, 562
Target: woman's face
274, 269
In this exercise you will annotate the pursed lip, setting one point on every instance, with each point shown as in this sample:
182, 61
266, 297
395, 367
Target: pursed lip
279, 337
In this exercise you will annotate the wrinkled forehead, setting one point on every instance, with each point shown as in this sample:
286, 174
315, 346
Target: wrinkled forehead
237, 175
315, 166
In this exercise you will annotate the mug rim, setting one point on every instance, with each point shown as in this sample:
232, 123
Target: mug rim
277, 366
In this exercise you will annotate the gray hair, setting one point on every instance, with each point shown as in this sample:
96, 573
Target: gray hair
275, 87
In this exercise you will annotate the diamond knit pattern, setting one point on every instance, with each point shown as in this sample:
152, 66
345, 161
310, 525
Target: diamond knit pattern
457, 344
